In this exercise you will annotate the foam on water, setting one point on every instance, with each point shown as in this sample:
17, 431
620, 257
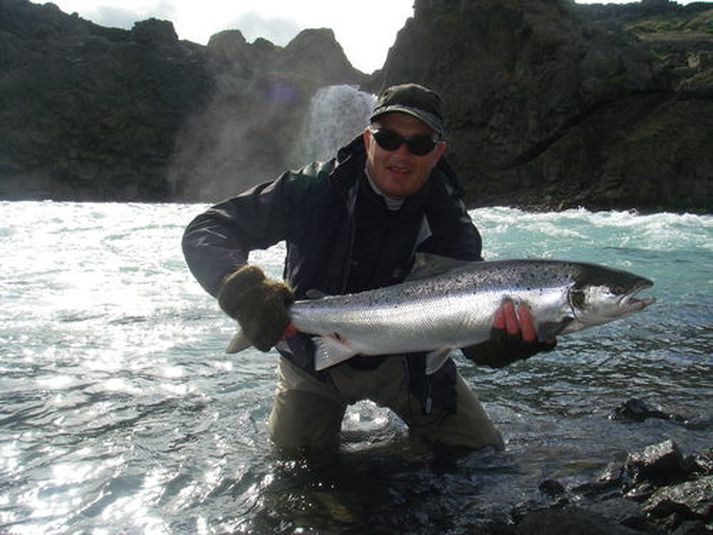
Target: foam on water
119, 409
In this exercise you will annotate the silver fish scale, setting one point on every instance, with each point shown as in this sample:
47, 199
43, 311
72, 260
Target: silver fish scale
456, 308
450, 310
402, 325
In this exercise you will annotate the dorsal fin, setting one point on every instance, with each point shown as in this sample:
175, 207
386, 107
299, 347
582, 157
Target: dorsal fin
429, 265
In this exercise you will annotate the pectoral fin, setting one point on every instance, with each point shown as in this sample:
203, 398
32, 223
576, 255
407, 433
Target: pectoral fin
550, 329
436, 359
330, 351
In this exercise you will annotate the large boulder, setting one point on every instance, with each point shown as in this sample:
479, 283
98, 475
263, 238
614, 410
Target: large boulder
94, 113
90, 112
554, 104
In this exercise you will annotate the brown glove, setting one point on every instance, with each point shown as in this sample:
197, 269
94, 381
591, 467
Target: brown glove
260, 305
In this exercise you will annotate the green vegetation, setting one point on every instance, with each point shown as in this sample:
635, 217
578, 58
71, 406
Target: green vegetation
683, 23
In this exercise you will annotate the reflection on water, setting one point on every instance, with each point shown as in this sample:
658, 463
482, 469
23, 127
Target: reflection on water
120, 412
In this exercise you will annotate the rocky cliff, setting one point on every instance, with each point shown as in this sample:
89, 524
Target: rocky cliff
93, 113
552, 104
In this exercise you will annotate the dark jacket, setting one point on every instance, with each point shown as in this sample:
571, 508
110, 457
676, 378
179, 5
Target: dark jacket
340, 237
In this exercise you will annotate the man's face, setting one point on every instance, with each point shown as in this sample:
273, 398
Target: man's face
398, 173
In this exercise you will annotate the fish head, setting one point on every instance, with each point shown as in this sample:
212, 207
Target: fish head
600, 295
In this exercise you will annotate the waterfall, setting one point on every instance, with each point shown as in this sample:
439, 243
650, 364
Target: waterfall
336, 114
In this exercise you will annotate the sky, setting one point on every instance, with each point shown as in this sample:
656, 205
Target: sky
366, 29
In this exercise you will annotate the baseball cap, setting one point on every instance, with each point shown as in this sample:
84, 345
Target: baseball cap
413, 99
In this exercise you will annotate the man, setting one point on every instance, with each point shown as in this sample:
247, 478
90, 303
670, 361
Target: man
354, 224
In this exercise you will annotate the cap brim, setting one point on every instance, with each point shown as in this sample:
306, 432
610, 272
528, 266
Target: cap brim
431, 120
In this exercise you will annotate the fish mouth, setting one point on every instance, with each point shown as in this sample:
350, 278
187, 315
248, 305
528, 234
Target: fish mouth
630, 301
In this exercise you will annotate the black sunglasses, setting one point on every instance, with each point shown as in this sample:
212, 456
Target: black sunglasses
389, 140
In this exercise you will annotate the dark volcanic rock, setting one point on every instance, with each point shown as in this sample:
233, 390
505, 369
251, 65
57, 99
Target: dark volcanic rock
555, 104
636, 410
671, 495
571, 521
692, 500
88, 112
552, 488
700, 465
551, 104
659, 464
611, 479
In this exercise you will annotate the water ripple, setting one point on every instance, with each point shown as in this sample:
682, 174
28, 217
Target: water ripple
119, 410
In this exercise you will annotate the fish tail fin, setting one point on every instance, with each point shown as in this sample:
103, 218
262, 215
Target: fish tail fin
241, 342
238, 343
330, 351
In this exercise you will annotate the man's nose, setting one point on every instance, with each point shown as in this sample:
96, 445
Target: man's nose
403, 151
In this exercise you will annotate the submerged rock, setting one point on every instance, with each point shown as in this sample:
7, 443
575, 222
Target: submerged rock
552, 488
570, 521
611, 479
636, 410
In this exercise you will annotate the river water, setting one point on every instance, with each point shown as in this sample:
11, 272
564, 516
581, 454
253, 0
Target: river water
121, 413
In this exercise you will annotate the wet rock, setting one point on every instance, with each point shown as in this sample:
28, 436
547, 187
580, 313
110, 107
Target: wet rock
611, 479
633, 409
612, 474
552, 488
640, 492
624, 512
660, 464
699, 465
692, 500
654, 491
493, 528
570, 521
636, 410
525, 508
692, 528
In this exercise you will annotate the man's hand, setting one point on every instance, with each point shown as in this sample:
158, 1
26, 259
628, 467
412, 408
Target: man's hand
260, 305
513, 337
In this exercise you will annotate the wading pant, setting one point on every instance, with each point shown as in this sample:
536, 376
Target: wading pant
308, 412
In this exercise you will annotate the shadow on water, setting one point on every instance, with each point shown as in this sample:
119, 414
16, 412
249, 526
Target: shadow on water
400, 486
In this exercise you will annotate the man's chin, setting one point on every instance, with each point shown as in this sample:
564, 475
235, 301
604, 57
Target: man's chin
396, 193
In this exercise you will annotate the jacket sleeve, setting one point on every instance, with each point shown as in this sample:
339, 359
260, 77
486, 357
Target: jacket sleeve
219, 240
